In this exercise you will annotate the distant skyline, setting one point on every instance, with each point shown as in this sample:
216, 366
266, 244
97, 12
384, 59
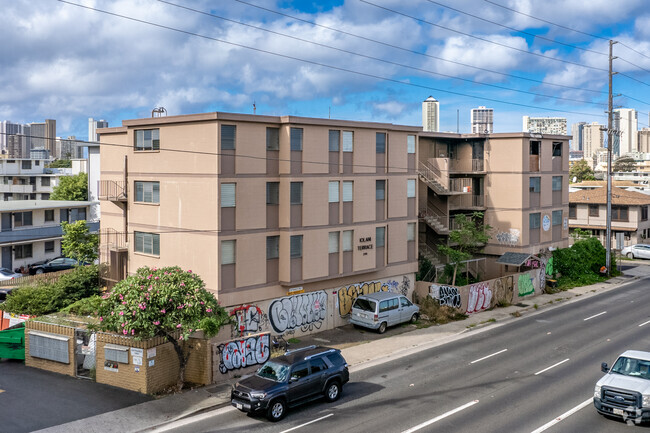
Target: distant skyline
372, 60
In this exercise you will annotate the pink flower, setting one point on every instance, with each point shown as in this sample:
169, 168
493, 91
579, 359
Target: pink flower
182, 284
180, 307
132, 331
123, 302
121, 313
189, 271
157, 322
163, 311
112, 313
209, 310
101, 319
180, 338
134, 312
179, 326
149, 277
125, 332
202, 303
156, 278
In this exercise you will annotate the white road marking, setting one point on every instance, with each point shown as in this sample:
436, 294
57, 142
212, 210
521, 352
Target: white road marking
645, 323
486, 357
554, 365
438, 418
307, 423
565, 415
596, 315
192, 419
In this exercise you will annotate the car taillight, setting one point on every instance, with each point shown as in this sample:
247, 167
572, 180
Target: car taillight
376, 317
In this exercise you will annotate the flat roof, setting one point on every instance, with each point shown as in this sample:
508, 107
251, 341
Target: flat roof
19, 205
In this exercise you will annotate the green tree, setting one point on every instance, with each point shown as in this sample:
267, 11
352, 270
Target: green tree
167, 302
468, 239
74, 188
78, 243
60, 163
581, 171
624, 163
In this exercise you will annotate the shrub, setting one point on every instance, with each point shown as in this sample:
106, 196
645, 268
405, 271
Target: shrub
582, 259
439, 314
84, 307
81, 283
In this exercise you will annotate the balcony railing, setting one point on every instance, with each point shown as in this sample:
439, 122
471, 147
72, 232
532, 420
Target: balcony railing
466, 201
466, 165
112, 190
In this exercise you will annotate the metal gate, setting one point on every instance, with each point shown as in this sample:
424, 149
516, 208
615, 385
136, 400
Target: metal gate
85, 353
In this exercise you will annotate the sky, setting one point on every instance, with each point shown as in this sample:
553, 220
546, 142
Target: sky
368, 60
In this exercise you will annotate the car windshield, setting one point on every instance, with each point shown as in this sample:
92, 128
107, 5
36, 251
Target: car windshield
364, 304
273, 371
632, 367
6, 272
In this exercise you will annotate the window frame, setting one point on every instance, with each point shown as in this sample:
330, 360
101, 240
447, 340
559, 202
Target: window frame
272, 194
531, 218
557, 148
140, 196
381, 182
535, 188
272, 138
410, 188
228, 198
225, 141
594, 210
381, 229
410, 144
573, 211
333, 191
23, 219
554, 182
296, 246
380, 145
345, 146
143, 144
46, 213
23, 251
296, 137
334, 140
232, 244
272, 247
333, 242
145, 238
558, 214
293, 193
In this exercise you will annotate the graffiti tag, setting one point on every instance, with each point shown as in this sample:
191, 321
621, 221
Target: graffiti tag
525, 285
242, 353
347, 295
503, 290
480, 297
446, 295
249, 319
305, 311
508, 238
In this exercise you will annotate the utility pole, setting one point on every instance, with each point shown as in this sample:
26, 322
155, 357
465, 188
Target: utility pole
610, 143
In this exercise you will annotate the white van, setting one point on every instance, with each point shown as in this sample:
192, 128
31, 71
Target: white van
383, 309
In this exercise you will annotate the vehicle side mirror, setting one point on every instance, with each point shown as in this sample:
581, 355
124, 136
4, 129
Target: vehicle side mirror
293, 379
604, 368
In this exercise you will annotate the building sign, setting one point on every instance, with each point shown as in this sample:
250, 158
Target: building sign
295, 291
365, 244
546, 223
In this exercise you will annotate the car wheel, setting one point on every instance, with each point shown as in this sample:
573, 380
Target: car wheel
630, 255
333, 391
39, 271
382, 327
414, 318
277, 410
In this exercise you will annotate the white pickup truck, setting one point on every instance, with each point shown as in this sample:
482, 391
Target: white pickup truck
625, 390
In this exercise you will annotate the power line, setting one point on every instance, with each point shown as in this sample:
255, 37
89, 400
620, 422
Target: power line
379, 59
483, 39
478, 68
338, 68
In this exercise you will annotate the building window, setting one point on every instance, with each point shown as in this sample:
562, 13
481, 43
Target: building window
380, 190
557, 148
348, 190
535, 184
45, 196
334, 192
572, 211
272, 247
557, 217
534, 220
228, 136
348, 141
333, 242
228, 195
380, 236
22, 219
296, 139
335, 137
380, 142
619, 213
410, 232
147, 192
49, 215
347, 240
148, 243
296, 246
49, 246
410, 144
593, 210
45, 181
273, 193
557, 183
534, 147
26, 165
644, 213
23, 251
272, 138
410, 188
296, 192
147, 139
228, 249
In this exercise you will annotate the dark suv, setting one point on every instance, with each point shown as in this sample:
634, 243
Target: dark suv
298, 376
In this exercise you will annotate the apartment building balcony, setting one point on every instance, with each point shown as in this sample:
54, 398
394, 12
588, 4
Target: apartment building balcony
37, 233
17, 189
474, 166
112, 190
467, 201
436, 174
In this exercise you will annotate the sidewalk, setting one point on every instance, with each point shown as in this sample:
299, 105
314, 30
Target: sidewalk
395, 343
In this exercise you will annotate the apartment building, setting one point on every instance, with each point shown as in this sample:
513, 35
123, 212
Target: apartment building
31, 229
27, 179
518, 180
482, 120
263, 207
545, 125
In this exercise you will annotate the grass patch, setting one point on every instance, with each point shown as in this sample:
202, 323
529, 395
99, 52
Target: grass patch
535, 306
471, 325
432, 311
293, 340
516, 314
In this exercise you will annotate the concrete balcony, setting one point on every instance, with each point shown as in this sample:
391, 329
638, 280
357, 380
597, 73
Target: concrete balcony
112, 190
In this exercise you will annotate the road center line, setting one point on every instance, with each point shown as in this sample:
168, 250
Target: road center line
554, 365
565, 415
438, 418
307, 423
596, 315
486, 357
645, 323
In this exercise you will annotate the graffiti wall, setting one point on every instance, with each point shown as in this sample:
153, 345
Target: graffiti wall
480, 297
249, 319
237, 354
306, 311
446, 295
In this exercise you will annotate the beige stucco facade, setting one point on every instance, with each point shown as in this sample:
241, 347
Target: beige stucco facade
190, 221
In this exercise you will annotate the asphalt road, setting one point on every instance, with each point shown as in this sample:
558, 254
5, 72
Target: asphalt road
517, 377
32, 399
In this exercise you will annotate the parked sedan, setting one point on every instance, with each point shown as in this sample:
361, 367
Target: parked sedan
58, 264
639, 251
7, 274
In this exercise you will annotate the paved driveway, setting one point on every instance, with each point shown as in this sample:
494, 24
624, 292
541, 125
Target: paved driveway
32, 399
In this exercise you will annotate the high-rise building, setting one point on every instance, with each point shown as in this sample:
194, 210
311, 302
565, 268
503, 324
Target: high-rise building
593, 139
431, 114
43, 135
576, 133
482, 120
545, 125
626, 123
66, 148
644, 140
93, 125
